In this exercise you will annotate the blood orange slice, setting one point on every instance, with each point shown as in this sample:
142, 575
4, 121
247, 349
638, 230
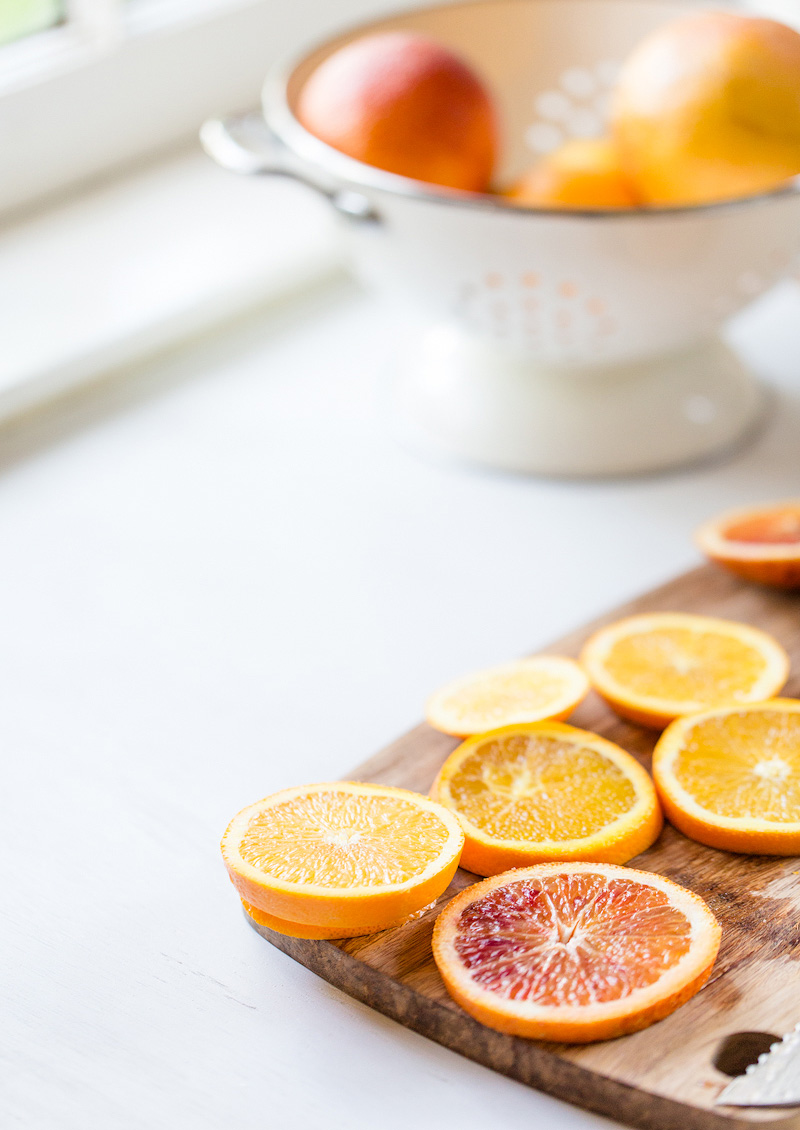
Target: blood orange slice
574, 952
760, 544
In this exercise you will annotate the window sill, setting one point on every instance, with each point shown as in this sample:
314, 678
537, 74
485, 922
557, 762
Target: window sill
140, 264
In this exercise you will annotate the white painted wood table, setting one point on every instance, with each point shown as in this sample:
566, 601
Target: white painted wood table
214, 580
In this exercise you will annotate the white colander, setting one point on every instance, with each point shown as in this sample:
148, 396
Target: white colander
554, 342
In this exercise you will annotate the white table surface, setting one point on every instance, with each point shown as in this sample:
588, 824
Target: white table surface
221, 576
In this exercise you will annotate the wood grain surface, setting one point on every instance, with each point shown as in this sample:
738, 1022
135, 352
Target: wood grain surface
662, 1077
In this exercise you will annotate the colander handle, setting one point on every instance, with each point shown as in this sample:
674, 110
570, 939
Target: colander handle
246, 145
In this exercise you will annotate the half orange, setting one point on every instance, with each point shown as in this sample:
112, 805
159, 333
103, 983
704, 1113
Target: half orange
574, 952
730, 777
344, 854
658, 666
760, 543
547, 791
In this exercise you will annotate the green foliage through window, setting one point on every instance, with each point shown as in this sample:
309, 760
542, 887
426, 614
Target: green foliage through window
24, 17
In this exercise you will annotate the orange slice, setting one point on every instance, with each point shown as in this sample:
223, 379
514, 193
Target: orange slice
574, 952
658, 666
761, 543
530, 690
547, 791
342, 855
730, 777
320, 933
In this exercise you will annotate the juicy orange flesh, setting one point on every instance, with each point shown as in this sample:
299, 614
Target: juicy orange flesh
501, 698
571, 940
534, 787
338, 839
745, 765
778, 527
684, 665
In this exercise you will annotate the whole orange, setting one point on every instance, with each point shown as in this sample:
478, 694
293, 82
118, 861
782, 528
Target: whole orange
583, 173
708, 108
404, 103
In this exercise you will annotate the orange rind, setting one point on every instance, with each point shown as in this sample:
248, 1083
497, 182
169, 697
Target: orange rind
321, 933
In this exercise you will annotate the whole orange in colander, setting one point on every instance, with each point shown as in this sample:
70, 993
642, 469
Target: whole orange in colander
402, 102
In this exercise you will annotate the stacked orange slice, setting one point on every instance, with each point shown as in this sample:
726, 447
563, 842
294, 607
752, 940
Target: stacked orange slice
322, 933
547, 791
341, 859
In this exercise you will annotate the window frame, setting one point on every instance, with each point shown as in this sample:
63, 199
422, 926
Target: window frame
121, 82
100, 90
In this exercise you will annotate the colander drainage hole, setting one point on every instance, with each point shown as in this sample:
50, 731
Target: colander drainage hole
737, 1051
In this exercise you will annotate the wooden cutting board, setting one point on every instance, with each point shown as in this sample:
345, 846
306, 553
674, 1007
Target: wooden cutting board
663, 1077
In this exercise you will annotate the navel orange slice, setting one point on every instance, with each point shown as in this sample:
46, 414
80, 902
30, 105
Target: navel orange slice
321, 933
761, 543
342, 855
658, 666
530, 690
730, 777
543, 791
574, 952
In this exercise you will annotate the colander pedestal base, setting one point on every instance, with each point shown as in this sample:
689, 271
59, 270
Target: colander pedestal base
477, 402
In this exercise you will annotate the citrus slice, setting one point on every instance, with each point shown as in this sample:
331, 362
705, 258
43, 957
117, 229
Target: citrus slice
730, 777
530, 690
321, 933
658, 666
574, 952
760, 544
342, 855
544, 791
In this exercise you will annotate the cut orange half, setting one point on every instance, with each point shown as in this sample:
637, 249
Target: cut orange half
574, 952
730, 777
545, 791
530, 690
661, 665
342, 855
321, 933
761, 543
